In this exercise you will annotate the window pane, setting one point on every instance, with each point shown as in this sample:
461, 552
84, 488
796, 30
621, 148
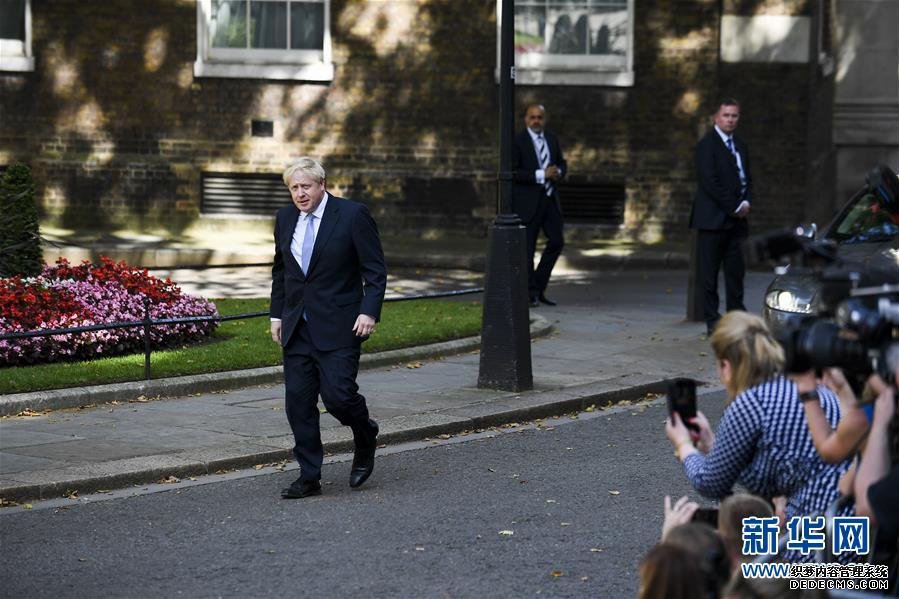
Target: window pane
307, 25
530, 28
269, 25
567, 31
608, 30
12, 19
578, 27
229, 24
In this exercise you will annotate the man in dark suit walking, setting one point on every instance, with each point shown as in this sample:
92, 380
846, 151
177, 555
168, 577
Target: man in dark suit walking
328, 284
720, 209
538, 166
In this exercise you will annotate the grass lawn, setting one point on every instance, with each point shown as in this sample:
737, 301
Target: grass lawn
246, 343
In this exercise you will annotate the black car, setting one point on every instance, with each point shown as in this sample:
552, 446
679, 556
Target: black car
866, 237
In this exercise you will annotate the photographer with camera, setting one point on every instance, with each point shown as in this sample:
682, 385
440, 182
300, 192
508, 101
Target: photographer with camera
762, 441
833, 444
877, 480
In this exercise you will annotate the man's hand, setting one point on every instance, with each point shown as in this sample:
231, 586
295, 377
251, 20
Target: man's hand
276, 331
552, 172
365, 325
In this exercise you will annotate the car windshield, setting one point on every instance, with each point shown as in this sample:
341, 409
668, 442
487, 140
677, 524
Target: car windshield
865, 221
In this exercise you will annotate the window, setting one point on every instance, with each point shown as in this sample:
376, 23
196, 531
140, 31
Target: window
15, 36
268, 39
574, 42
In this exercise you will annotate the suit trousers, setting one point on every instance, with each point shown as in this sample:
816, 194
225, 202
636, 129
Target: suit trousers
309, 372
548, 219
715, 248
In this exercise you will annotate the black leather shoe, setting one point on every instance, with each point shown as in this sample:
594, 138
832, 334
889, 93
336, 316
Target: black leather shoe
545, 300
535, 301
364, 456
302, 488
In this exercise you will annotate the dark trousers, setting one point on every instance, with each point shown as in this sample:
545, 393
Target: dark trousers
713, 249
309, 372
549, 220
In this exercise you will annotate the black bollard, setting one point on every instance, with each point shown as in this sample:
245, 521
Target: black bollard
695, 294
505, 333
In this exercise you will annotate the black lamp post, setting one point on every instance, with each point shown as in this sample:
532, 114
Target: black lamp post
505, 333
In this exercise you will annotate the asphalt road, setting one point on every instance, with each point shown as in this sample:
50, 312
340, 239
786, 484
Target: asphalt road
563, 508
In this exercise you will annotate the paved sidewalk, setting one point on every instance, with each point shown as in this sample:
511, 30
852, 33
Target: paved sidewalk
615, 335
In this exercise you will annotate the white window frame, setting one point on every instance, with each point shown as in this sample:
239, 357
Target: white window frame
568, 69
255, 63
15, 55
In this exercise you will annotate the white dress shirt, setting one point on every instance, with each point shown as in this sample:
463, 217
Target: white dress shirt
725, 137
299, 233
539, 174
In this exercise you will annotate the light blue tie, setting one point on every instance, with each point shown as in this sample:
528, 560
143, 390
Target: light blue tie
308, 243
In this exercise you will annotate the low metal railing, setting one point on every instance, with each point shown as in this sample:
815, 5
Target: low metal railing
147, 323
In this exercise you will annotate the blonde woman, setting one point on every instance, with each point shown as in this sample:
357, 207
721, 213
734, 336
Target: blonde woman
762, 441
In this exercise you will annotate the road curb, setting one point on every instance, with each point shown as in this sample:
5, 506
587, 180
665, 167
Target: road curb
154, 469
58, 399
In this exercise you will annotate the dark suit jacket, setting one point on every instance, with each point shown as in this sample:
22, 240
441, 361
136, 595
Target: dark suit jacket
718, 191
347, 275
526, 191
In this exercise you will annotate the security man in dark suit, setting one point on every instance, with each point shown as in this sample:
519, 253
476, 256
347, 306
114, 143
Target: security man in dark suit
538, 166
328, 284
720, 209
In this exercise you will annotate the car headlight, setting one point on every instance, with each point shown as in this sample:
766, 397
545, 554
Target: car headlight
787, 301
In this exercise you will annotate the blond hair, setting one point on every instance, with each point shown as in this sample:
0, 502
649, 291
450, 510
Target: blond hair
744, 340
308, 166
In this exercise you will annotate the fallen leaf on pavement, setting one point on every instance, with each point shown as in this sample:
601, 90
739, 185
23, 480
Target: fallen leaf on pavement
412, 365
30, 413
170, 480
614, 492
557, 573
72, 494
507, 533
595, 550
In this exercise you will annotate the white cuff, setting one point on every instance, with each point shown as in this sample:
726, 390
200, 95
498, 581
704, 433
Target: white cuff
540, 176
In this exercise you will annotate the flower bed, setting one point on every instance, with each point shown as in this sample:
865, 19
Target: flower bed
86, 294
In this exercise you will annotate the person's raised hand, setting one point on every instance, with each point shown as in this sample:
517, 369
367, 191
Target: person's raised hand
680, 513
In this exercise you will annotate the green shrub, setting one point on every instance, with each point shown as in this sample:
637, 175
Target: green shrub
20, 243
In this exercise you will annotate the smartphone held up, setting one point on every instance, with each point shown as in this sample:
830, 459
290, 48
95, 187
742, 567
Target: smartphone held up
682, 399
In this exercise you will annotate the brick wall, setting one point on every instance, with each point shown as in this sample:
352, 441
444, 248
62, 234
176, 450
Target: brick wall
118, 130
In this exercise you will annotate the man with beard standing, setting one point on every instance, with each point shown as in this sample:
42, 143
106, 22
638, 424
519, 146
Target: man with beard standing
538, 166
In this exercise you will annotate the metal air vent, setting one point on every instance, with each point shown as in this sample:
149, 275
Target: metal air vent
260, 194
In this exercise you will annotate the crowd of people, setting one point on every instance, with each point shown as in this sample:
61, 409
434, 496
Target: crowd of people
798, 445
